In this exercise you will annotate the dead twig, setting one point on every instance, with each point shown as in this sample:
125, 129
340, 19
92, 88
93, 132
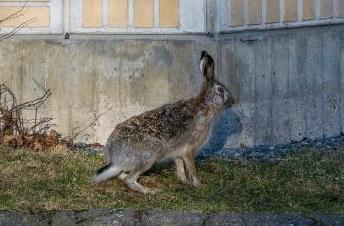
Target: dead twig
16, 29
14, 15
36, 133
17, 131
97, 116
19, 13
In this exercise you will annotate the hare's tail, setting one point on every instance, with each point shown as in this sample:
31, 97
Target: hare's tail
106, 172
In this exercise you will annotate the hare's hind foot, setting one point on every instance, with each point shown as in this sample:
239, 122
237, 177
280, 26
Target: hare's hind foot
197, 183
131, 179
136, 186
122, 176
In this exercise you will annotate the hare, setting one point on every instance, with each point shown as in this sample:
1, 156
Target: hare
173, 131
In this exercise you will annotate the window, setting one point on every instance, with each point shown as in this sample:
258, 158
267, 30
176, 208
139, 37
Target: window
105, 16
137, 16
36, 16
234, 15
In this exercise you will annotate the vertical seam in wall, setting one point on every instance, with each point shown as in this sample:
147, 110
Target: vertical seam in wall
21, 53
254, 104
321, 49
304, 86
338, 78
341, 88
96, 98
156, 13
272, 94
288, 89
131, 13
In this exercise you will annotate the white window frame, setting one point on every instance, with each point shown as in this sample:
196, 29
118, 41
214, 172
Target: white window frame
55, 20
192, 19
222, 21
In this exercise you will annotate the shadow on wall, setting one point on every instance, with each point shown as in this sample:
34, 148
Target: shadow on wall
226, 124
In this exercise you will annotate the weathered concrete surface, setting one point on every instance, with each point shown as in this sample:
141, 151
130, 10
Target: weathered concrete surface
288, 83
90, 75
155, 217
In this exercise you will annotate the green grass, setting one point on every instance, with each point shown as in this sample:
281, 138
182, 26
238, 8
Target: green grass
59, 179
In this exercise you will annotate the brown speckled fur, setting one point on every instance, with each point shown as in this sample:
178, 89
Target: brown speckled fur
175, 131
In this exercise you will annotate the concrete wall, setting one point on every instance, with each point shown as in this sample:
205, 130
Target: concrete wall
89, 75
288, 83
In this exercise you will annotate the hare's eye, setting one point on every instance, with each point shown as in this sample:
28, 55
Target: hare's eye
220, 90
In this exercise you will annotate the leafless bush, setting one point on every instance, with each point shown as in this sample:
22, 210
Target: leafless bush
17, 131
38, 132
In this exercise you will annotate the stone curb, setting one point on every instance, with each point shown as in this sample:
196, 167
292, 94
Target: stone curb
156, 217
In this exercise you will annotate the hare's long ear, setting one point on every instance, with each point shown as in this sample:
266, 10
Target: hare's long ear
208, 69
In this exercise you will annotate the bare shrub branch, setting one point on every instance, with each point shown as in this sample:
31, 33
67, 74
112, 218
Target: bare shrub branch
36, 133
17, 131
19, 13
10, 107
97, 115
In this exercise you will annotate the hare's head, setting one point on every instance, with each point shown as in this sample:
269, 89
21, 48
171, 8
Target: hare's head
217, 94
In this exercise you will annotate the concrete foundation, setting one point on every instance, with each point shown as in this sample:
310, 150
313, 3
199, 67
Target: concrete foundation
288, 83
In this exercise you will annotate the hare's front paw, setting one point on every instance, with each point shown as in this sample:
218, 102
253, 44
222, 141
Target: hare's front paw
182, 178
197, 183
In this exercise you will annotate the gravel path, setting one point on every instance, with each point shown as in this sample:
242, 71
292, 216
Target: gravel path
275, 152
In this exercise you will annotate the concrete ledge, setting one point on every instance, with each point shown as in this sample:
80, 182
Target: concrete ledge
157, 217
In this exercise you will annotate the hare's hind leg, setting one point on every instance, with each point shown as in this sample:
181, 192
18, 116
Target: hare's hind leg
131, 179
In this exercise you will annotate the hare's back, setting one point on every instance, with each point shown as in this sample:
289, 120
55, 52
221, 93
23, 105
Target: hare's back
163, 123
